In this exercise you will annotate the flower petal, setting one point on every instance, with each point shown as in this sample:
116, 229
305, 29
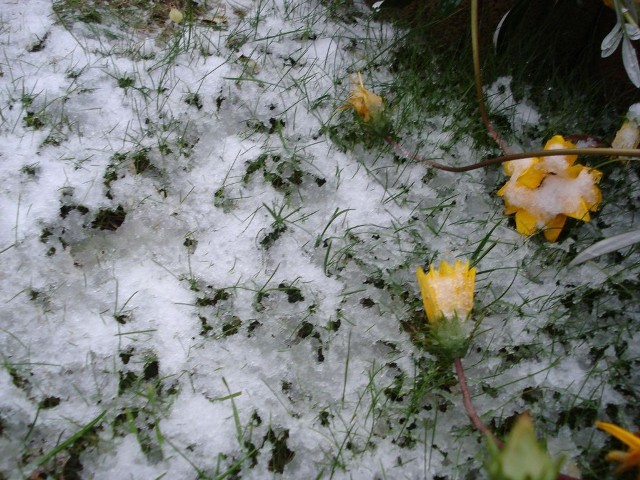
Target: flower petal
427, 294
526, 222
508, 167
448, 291
554, 228
625, 436
532, 177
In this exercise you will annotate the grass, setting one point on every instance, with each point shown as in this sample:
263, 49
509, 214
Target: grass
327, 300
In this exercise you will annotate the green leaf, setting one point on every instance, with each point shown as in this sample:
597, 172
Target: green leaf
522, 457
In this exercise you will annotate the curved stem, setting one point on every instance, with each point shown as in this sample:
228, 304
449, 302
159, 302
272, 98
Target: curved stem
619, 152
468, 405
477, 74
475, 418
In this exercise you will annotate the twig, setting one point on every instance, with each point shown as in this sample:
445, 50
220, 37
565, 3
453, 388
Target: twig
618, 152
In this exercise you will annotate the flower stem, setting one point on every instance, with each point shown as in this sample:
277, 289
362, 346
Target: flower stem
618, 152
475, 47
475, 418
468, 405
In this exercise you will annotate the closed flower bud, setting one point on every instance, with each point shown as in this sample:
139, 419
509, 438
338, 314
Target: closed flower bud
447, 295
175, 15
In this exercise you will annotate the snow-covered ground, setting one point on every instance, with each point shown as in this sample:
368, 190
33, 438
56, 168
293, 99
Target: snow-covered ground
188, 259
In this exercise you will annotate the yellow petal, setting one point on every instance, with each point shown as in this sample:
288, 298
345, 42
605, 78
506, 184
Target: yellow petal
625, 436
429, 308
598, 200
447, 291
581, 212
509, 208
574, 170
632, 460
508, 167
558, 141
628, 136
532, 177
365, 103
526, 223
554, 228
616, 456
175, 15
465, 287
596, 174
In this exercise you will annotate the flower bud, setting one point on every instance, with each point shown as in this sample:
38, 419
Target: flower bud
175, 15
523, 457
447, 295
367, 105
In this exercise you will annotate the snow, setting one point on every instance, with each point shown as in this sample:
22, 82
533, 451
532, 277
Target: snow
522, 115
208, 333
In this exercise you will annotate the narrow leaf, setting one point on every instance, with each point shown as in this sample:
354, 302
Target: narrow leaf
633, 32
496, 34
607, 245
611, 41
630, 60
70, 441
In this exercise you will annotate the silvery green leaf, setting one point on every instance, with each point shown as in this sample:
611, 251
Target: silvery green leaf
630, 60
633, 32
607, 245
496, 34
611, 41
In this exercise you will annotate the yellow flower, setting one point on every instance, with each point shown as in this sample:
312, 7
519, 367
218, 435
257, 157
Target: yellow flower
628, 136
447, 292
175, 15
366, 104
544, 191
627, 459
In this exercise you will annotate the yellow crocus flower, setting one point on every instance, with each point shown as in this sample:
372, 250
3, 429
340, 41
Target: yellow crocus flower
628, 459
544, 191
366, 104
447, 292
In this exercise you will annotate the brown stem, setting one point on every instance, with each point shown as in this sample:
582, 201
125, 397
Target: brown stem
619, 152
468, 406
475, 418
475, 47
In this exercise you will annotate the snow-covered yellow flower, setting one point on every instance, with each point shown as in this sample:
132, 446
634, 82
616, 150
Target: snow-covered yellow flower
447, 292
628, 136
447, 295
544, 191
366, 104
628, 459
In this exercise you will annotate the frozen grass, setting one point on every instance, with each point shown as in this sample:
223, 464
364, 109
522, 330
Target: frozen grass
208, 273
